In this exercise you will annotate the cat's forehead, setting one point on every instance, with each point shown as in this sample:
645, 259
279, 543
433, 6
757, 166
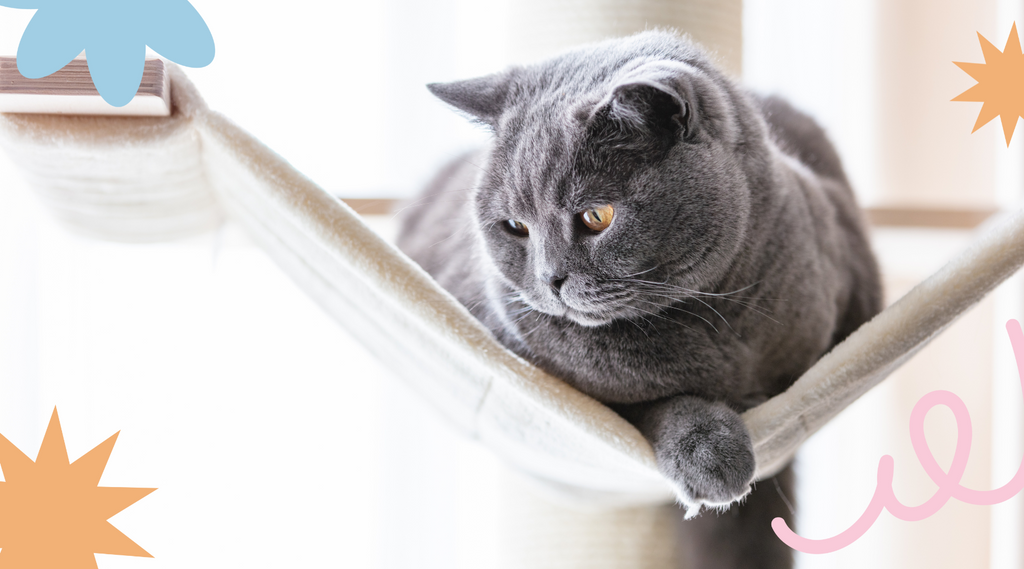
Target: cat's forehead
536, 162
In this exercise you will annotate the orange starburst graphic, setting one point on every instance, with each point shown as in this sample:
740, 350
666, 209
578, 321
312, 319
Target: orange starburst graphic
53, 513
1000, 84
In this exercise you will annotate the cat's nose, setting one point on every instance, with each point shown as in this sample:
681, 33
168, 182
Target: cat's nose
555, 280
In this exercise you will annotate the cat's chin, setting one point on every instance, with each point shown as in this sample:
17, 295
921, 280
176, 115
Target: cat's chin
588, 320
594, 320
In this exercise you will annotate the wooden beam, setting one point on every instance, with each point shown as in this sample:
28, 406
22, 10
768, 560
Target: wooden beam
877, 216
927, 217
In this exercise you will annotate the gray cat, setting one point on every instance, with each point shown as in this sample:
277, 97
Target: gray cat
663, 240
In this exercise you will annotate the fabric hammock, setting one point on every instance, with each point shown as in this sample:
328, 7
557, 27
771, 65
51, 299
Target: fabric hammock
151, 179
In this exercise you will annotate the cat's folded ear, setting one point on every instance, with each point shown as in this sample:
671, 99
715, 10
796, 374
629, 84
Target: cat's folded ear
651, 106
483, 98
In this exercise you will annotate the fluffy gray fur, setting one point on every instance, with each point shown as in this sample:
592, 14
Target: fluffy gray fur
736, 256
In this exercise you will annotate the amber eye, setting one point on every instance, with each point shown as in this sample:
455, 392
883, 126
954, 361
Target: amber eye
517, 228
599, 218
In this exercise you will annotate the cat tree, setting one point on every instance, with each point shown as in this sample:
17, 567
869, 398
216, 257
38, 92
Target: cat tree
152, 179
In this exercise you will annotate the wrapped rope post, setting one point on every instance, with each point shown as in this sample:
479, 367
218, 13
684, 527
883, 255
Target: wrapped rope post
540, 28
543, 530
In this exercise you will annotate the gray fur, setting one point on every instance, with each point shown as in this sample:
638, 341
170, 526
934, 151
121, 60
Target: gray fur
735, 259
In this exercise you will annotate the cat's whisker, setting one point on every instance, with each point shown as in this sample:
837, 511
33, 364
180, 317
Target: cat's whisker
756, 310
515, 316
735, 291
690, 297
658, 316
749, 306
638, 327
691, 291
675, 308
518, 312
521, 318
712, 308
642, 272
613, 297
425, 200
651, 314
507, 298
475, 165
454, 234
534, 329
512, 296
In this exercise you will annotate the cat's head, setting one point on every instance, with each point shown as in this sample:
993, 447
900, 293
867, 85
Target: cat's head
617, 179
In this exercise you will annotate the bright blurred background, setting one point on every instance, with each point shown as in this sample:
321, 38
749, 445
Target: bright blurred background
276, 440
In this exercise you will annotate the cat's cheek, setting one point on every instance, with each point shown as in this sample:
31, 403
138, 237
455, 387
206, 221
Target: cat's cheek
509, 259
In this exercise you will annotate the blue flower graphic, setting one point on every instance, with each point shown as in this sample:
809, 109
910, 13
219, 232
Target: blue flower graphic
114, 35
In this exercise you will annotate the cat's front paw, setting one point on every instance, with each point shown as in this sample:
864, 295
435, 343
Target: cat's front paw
708, 457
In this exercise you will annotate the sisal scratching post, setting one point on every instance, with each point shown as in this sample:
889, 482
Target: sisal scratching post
545, 530
541, 28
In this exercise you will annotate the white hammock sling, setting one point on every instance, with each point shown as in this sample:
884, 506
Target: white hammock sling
149, 179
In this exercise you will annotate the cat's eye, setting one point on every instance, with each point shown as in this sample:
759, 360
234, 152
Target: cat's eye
599, 218
517, 228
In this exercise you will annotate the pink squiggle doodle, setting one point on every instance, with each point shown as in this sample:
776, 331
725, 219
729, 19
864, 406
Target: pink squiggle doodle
948, 482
